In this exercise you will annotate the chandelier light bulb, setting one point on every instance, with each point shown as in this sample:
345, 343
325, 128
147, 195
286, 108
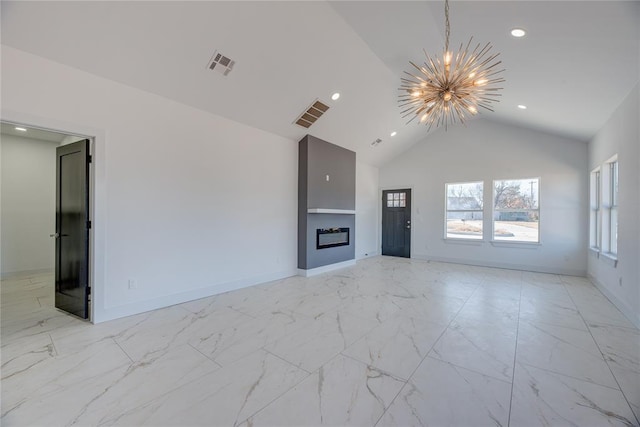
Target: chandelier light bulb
445, 91
447, 58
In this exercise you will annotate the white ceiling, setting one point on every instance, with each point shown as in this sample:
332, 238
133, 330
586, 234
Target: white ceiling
577, 63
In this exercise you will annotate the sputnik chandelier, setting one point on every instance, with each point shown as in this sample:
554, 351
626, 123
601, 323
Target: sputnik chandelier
443, 92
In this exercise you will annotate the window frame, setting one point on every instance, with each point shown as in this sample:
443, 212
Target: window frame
495, 211
609, 208
469, 238
595, 211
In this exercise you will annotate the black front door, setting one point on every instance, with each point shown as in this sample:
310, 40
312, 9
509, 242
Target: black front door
72, 228
396, 223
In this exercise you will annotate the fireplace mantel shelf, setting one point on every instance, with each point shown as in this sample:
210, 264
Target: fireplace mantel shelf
331, 211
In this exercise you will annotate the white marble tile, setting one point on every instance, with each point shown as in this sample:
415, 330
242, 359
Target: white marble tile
501, 288
580, 287
487, 348
488, 306
23, 354
567, 351
342, 392
302, 286
431, 307
382, 314
34, 322
74, 338
397, 346
95, 403
374, 308
544, 398
441, 394
225, 397
284, 299
77, 379
599, 310
316, 304
621, 348
157, 331
245, 337
556, 311
318, 343
17, 307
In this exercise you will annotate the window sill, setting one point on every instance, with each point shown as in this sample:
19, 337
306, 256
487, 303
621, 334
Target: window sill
609, 258
473, 242
523, 245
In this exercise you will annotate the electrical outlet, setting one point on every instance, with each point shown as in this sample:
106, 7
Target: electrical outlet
620, 281
133, 284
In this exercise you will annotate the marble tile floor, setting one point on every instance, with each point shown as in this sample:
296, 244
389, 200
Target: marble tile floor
387, 342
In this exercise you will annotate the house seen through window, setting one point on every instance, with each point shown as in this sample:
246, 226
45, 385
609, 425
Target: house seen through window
516, 210
464, 210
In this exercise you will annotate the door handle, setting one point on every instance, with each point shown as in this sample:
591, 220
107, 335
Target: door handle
408, 226
55, 235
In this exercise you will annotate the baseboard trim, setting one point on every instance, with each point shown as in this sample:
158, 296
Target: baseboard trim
25, 273
116, 312
325, 268
620, 305
507, 266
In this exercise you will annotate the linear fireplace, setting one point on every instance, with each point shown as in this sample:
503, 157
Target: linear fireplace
331, 237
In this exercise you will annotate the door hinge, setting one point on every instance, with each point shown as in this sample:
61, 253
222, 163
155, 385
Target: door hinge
90, 158
88, 224
88, 290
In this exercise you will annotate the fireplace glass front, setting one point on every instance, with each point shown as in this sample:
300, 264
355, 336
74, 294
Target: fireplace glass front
331, 237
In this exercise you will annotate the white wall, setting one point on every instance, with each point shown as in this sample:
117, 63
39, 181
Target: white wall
186, 203
484, 151
621, 136
28, 204
367, 201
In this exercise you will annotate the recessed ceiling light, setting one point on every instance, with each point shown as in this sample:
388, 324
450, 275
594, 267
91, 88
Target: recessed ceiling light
21, 129
522, 107
518, 32
335, 96
394, 133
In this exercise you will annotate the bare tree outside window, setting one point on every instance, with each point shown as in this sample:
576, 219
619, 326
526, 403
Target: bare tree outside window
516, 210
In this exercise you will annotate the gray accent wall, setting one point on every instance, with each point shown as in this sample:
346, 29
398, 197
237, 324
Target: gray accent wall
316, 160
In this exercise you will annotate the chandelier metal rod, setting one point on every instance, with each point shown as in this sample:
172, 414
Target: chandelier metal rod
448, 89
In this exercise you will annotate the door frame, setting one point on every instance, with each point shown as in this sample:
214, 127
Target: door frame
396, 187
97, 197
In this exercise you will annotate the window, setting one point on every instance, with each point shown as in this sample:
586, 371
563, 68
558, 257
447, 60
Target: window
594, 216
396, 200
464, 210
516, 211
613, 220
609, 207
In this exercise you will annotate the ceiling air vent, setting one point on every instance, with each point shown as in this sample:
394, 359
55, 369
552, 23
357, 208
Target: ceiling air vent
313, 113
220, 63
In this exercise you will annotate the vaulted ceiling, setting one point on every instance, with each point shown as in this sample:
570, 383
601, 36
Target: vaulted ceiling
576, 64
